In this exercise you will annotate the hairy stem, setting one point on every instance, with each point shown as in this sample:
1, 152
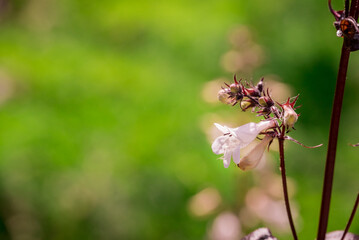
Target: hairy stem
351, 217
284, 182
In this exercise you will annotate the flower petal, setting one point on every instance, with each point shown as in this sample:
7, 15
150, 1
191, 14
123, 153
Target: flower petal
236, 156
248, 132
219, 143
264, 125
227, 158
221, 128
252, 159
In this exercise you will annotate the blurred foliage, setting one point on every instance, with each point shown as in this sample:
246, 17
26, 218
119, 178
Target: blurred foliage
101, 116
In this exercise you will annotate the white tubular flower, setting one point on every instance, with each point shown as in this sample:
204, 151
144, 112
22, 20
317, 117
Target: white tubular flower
252, 159
234, 139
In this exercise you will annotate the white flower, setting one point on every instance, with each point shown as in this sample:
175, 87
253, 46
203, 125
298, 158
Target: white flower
234, 139
252, 159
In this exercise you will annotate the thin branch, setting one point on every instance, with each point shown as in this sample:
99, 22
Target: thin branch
301, 144
284, 182
351, 217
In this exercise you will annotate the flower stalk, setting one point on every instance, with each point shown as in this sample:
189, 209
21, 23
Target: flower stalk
332, 145
351, 217
284, 182
334, 129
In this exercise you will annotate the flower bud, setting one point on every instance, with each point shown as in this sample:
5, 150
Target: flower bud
290, 116
265, 102
254, 92
224, 97
260, 85
235, 88
245, 104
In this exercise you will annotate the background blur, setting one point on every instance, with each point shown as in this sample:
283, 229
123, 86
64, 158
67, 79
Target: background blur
107, 111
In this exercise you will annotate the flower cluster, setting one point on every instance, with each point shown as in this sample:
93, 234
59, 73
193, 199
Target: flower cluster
278, 120
254, 97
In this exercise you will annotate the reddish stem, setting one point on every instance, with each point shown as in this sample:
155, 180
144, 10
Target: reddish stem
351, 217
284, 182
333, 133
332, 146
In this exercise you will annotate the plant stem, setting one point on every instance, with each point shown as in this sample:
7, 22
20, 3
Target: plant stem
346, 8
332, 146
284, 182
334, 128
351, 217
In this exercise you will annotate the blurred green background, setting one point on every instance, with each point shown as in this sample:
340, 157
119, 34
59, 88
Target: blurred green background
104, 120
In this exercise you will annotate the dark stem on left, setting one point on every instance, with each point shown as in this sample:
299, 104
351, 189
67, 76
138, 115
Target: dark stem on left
284, 182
